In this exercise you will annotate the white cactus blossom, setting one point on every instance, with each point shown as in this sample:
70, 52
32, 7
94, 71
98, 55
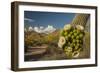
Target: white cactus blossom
67, 27
79, 27
75, 54
61, 42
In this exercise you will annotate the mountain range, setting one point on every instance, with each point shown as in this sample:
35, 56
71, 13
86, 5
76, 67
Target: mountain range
41, 29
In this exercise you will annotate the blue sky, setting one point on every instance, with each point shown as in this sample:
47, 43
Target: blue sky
56, 19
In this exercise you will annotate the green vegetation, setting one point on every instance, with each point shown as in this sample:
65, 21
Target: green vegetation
53, 52
35, 39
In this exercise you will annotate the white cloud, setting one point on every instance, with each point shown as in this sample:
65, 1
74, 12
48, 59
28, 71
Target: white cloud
28, 19
41, 29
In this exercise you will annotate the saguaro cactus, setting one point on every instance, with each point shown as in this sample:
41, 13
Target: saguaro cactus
80, 19
72, 36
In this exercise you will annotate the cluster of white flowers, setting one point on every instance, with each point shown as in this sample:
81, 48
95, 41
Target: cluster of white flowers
71, 40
